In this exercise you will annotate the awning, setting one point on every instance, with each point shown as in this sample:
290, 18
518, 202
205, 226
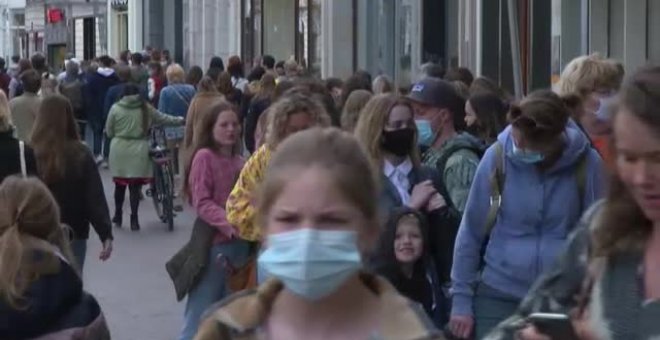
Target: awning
119, 4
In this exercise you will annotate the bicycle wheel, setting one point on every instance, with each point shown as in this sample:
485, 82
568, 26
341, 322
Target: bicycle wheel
168, 197
156, 191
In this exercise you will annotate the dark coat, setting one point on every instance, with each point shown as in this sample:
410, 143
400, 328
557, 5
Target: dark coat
443, 222
257, 107
56, 304
80, 195
11, 161
94, 93
435, 302
189, 263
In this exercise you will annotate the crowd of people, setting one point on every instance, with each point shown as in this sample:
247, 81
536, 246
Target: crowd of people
446, 209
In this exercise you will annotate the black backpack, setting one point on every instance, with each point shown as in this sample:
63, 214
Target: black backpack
73, 91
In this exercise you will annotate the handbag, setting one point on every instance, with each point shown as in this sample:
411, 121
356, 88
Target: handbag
241, 277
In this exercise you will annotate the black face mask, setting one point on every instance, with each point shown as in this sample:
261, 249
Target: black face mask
398, 142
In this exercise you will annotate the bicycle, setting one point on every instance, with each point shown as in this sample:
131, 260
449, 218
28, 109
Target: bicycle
161, 189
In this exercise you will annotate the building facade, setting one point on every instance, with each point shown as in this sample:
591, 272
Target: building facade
521, 44
13, 36
58, 27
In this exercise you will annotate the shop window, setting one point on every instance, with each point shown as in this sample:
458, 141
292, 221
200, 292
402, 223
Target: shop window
251, 20
653, 37
308, 35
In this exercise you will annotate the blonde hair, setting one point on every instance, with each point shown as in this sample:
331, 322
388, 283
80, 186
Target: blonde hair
589, 73
382, 84
352, 108
5, 114
285, 107
332, 150
28, 215
175, 74
369, 129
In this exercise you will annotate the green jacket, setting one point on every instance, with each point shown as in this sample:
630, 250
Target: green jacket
457, 161
129, 149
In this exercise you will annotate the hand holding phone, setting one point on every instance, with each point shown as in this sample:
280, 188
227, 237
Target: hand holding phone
555, 326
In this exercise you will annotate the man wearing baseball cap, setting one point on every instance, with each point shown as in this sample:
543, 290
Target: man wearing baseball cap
439, 116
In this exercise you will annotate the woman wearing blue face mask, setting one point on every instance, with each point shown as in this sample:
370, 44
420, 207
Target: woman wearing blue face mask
529, 191
318, 205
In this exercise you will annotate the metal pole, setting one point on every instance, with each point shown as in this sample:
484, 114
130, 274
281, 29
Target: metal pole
515, 47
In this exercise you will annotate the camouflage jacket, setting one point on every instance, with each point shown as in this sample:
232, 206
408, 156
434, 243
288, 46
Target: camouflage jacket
457, 161
241, 316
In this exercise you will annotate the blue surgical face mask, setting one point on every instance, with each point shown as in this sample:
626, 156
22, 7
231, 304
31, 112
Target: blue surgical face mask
312, 263
426, 136
529, 157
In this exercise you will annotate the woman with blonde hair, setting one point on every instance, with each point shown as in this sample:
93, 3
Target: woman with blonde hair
41, 293
596, 81
318, 209
175, 100
290, 114
13, 151
67, 167
382, 84
352, 108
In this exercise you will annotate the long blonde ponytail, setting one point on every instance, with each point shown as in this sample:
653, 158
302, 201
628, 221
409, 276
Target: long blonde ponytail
29, 220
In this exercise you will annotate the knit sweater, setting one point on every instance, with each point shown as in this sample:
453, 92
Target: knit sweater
212, 177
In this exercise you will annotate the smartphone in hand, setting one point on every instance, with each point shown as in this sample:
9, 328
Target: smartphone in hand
556, 326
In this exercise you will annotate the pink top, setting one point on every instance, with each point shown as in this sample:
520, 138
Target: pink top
212, 176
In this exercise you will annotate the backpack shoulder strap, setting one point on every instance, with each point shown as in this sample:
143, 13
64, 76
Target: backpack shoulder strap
581, 178
497, 179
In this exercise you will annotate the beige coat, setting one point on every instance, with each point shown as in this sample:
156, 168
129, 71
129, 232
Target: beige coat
200, 103
24, 110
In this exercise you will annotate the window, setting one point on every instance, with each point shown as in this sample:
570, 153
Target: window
309, 35
251, 30
122, 31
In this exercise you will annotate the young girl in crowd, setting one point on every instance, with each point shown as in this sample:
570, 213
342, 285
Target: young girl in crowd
318, 210
41, 293
210, 175
545, 174
408, 264
607, 279
68, 168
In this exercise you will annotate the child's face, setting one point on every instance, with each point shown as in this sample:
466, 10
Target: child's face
310, 199
408, 243
227, 128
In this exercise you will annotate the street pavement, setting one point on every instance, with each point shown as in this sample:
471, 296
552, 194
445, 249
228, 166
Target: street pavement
132, 287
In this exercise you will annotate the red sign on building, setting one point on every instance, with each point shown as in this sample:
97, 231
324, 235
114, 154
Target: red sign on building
55, 15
